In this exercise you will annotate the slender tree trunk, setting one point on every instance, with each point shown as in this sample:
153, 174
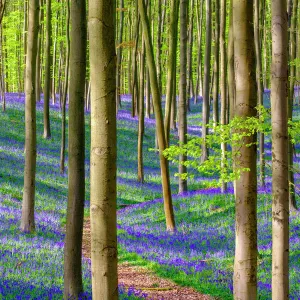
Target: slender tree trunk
292, 73
53, 86
103, 150
65, 92
280, 190
141, 116
223, 83
119, 53
199, 85
171, 68
47, 132
182, 103
38, 57
2, 70
190, 84
260, 89
168, 206
2, 9
245, 263
27, 219
76, 175
216, 64
174, 104
206, 93
148, 100
158, 44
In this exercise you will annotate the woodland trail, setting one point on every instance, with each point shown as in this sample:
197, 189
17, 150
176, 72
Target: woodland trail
143, 279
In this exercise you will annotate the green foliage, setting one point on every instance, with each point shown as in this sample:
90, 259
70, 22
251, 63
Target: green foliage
220, 165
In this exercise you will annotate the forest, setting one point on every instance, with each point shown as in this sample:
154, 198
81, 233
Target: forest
149, 149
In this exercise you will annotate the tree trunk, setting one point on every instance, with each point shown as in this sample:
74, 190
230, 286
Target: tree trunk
65, 92
216, 64
103, 150
54, 60
199, 86
171, 70
47, 132
168, 206
292, 74
76, 175
27, 219
182, 103
2, 9
141, 116
38, 57
245, 263
260, 89
223, 81
206, 93
119, 54
280, 190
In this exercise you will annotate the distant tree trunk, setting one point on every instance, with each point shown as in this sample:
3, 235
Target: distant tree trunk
119, 53
103, 150
53, 87
230, 64
141, 116
47, 132
216, 64
245, 262
206, 93
2, 9
182, 103
292, 73
223, 80
158, 43
260, 88
2, 83
134, 67
27, 219
168, 206
76, 175
190, 83
171, 67
280, 190
38, 57
199, 86
65, 92
148, 100
174, 103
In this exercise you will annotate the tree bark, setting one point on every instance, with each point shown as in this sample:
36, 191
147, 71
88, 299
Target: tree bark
76, 175
206, 93
182, 103
103, 149
280, 186
27, 218
171, 68
47, 132
223, 87
245, 263
168, 206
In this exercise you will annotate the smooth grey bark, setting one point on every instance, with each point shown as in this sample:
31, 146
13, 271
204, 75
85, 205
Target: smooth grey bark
103, 150
182, 102
280, 184
168, 206
216, 64
47, 132
245, 262
64, 93
27, 218
223, 81
76, 150
119, 53
171, 65
206, 92
38, 57
260, 89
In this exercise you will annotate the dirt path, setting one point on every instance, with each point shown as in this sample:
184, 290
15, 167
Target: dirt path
142, 279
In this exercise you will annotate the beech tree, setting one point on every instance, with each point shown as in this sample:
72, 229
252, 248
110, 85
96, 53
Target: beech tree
280, 184
47, 132
103, 149
162, 144
27, 218
245, 262
76, 172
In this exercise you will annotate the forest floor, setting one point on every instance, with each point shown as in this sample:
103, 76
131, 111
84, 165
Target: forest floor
141, 278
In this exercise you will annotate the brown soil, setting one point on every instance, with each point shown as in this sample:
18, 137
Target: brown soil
142, 279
